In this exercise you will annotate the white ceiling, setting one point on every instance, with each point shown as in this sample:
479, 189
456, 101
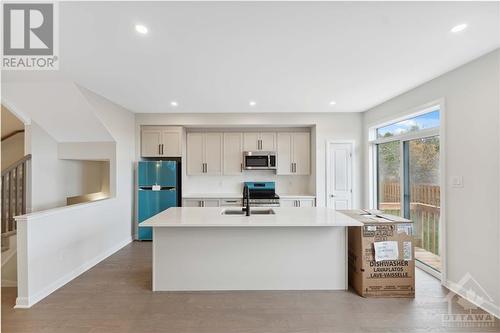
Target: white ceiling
288, 57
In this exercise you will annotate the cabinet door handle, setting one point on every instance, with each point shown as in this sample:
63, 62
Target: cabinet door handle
259, 144
291, 167
294, 167
159, 149
206, 167
241, 167
202, 203
162, 149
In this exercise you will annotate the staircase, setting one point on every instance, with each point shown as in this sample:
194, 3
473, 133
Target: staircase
13, 198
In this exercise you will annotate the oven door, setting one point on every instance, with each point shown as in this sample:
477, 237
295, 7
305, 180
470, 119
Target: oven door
256, 162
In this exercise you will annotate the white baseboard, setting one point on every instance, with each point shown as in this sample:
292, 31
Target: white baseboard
9, 283
27, 302
486, 306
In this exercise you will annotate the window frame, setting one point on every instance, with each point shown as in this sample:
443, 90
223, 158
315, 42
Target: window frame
425, 133
374, 141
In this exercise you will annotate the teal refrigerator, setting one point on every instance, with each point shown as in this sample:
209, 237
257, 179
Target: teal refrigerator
158, 183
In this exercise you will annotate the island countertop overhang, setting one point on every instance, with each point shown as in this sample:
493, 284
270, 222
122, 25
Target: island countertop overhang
283, 217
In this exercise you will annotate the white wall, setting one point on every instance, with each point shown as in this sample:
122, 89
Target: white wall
12, 149
471, 95
334, 126
72, 239
47, 170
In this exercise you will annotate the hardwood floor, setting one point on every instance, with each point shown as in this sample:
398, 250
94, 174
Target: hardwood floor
115, 296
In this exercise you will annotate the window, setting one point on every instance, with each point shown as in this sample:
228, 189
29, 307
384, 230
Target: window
407, 175
424, 121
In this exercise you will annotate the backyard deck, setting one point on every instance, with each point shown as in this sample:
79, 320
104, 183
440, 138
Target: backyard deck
424, 212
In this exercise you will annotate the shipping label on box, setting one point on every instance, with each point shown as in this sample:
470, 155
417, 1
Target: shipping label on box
387, 250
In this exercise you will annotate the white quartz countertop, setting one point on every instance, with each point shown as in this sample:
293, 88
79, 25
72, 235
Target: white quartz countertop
212, 196
239, 196
283, 217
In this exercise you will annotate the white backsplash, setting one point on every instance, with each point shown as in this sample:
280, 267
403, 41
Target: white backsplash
233, 184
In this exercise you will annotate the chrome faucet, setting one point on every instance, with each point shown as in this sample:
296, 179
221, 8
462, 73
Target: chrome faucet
246, 196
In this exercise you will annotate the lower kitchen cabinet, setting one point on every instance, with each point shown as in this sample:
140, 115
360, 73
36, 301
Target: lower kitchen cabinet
298, 202
201, 203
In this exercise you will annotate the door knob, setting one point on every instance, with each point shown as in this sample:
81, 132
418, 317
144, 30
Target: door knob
332, 196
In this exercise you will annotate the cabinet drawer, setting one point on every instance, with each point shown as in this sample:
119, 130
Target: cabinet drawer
231, 202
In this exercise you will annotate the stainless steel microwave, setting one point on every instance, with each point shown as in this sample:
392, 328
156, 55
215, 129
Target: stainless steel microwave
259, 160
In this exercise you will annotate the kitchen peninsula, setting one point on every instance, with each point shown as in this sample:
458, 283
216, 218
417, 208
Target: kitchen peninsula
273, 249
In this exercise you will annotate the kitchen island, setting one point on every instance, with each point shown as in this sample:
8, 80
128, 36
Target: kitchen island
273, 249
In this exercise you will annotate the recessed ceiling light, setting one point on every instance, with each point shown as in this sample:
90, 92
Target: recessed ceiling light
458, 28
332, 103
252, 103
174, 104
141, 29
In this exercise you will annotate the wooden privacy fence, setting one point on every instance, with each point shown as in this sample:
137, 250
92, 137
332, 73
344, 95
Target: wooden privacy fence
424, 193
13, 196
424, 211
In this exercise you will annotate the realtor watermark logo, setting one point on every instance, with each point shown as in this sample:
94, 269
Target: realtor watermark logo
463, 313
30, 36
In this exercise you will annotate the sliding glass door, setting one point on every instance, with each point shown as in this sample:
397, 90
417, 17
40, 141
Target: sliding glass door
407, 179
422, 197
388, 174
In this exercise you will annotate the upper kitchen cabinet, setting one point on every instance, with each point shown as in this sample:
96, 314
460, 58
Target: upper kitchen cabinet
233, 153
161, 141
204, 153
294, 153
255, 141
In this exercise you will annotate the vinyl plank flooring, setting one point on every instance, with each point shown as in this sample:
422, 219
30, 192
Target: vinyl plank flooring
116, 296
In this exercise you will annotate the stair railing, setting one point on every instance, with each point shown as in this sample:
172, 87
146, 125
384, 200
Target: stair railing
13, 196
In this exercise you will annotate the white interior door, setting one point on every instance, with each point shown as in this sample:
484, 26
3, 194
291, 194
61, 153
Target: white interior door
339, 175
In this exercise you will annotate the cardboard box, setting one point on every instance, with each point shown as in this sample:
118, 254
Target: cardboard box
393, 274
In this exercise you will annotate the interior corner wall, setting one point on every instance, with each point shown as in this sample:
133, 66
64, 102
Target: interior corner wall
472, 146
120, 123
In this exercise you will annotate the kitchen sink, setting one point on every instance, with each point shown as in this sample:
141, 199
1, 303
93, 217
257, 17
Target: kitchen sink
253, 211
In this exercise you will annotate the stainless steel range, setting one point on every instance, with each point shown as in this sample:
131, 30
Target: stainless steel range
263, 194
